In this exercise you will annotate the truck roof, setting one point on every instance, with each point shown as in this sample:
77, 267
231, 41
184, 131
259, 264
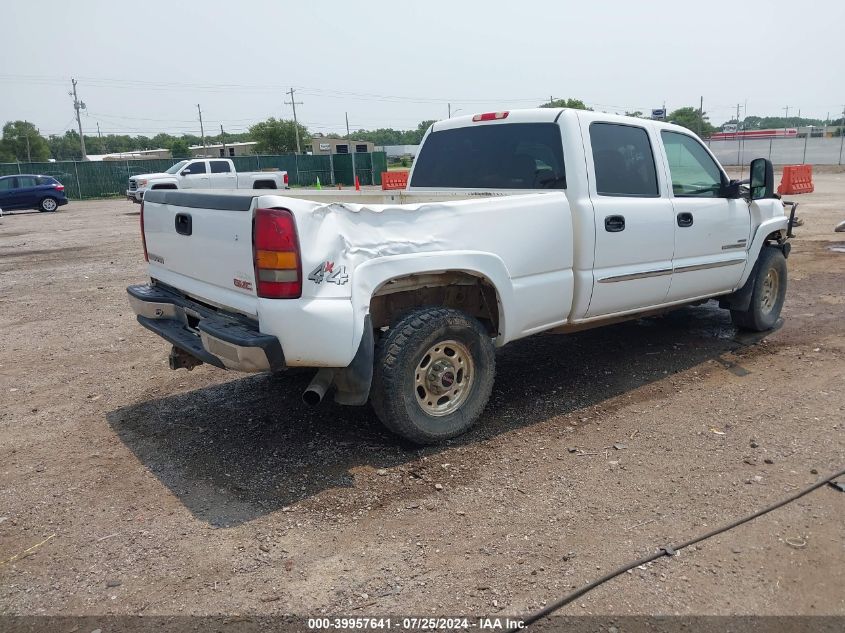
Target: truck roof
551, 115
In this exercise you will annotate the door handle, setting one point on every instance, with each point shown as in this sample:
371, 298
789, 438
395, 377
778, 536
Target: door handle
614, 223
684, 219
184, 226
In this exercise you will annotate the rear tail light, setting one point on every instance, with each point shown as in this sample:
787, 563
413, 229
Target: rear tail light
286, 177
59, 186
278, 268
490, 116
143, 236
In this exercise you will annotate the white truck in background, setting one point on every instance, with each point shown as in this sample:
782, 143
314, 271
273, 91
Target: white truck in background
514, 223
205, 173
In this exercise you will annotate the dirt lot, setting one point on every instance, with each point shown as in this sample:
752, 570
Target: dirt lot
213, 493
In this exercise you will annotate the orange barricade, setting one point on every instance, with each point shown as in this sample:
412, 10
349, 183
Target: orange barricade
796, 179
394, 180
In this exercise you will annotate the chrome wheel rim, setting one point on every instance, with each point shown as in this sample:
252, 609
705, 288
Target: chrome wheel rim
769, 295
48, 204
443, 378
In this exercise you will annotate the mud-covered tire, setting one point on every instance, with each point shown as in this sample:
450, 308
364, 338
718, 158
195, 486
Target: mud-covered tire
402, 376
768, 295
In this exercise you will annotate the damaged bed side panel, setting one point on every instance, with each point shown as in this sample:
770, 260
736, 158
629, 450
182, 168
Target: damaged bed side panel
521, 244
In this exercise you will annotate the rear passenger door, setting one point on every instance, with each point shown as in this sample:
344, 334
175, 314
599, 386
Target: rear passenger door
222, 176
634, 219
711, 238
26, 193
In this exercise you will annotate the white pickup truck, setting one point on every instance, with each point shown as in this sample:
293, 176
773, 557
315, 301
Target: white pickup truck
514, 223
205, 173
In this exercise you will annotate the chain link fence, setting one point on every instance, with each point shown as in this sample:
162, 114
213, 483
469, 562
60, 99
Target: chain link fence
781, 151
84, 179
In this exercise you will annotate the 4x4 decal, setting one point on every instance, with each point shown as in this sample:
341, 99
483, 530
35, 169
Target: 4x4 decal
330, 273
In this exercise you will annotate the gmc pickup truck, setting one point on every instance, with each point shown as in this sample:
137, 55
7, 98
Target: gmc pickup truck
514, 223
214, 173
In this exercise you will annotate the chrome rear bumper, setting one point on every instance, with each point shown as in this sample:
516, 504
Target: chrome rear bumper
228, 341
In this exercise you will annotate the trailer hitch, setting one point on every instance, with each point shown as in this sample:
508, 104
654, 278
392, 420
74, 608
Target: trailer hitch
180, 359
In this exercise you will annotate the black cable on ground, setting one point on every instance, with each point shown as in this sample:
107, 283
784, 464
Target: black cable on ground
669, 550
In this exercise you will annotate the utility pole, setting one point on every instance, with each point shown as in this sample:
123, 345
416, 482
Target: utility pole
28, 154
223, 139
841, 135
202, 129
700, 115
293, 103
786, 116
78, 105
99, 136
351, 146
449, 106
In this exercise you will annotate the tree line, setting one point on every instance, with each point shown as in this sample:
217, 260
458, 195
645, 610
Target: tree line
21, 140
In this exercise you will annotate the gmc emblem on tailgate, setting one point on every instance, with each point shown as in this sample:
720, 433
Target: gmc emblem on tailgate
240, 283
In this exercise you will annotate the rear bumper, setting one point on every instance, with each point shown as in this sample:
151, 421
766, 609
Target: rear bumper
224, 340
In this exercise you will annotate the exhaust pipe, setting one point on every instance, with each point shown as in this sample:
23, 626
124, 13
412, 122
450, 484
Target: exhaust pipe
318, 387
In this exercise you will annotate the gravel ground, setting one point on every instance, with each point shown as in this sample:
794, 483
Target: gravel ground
207, 492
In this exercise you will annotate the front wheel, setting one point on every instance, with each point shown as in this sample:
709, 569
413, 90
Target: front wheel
433, 374
48, 204
768, 295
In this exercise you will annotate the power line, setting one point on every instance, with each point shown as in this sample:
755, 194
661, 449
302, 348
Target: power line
670, 550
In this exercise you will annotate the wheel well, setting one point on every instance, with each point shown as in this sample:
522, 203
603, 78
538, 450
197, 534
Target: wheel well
163, 187
264, 184
472, 294
775, 236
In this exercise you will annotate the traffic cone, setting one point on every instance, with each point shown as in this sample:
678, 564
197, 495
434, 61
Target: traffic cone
319, 186
357, 184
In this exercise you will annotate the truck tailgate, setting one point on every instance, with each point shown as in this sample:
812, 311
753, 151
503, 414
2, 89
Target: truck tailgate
202, 244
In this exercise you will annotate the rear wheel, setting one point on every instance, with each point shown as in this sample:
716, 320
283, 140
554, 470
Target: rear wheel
433, 374
768, 295
48, 204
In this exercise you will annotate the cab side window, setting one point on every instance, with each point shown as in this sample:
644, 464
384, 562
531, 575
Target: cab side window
623, 160
195, 168
694, 172
220, 167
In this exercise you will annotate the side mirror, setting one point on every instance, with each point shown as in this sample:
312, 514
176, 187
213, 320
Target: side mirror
762, 183
185, 172
731, 190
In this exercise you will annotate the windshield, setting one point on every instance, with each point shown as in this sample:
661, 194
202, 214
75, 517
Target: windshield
499, 156
176, 167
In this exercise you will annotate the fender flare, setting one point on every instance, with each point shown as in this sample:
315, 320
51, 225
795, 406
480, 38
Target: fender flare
766, 228
740, 299
373, 274
163, 183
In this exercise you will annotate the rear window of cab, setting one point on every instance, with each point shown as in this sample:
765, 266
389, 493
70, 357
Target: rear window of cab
493, 156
